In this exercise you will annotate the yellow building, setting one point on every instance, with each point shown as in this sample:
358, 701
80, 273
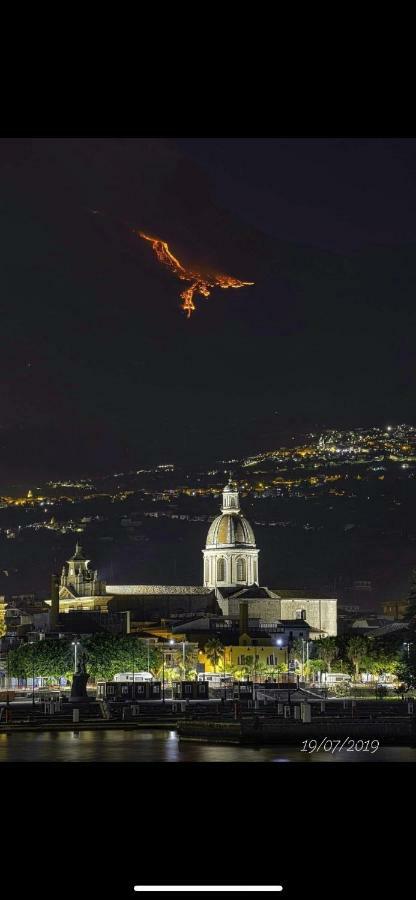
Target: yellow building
243, 655
3, 607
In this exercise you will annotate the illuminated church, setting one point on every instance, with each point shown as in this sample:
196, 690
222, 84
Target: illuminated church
230, 575
230, 555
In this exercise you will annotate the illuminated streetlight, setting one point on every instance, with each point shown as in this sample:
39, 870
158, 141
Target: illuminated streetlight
75, 644
183, 657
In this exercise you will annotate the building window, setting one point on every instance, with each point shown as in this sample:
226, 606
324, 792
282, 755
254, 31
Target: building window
245, 660
301, 613
241, 570
206, 570
221, 569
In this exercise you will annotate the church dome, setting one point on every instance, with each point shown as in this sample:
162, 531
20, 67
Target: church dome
230, 530
230, 555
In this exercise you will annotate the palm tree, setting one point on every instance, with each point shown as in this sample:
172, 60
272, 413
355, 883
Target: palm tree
328, 650
357, 650
214, 651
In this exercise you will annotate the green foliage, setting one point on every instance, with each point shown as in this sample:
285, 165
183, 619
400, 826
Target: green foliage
315, 665
406, 666
357, 650
105, 653
328, 650
411, 600
48, 659
214, 651
108, 654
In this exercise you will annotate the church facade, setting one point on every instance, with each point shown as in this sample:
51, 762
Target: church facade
230, 576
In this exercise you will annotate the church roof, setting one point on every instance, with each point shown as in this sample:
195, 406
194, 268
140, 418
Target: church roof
252, 592
156, 589
230, 530
300, 595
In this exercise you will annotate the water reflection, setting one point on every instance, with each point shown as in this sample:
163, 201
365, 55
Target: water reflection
164, 746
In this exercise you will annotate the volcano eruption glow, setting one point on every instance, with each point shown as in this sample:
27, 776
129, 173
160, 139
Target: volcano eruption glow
201, 284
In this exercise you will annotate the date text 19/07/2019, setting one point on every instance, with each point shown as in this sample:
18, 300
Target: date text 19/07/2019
348, 745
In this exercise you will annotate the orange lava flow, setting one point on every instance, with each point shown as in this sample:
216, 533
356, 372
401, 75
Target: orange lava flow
200, 283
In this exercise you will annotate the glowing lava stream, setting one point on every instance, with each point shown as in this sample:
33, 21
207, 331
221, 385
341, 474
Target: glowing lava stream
200, 283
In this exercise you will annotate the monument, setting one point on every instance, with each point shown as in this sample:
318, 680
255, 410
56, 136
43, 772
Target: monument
80, 677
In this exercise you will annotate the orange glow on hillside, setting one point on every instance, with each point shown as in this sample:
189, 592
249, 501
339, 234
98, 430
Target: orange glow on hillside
201, 284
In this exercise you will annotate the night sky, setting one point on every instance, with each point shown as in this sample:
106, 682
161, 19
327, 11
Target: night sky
100, 368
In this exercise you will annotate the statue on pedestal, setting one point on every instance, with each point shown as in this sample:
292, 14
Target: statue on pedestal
80, 677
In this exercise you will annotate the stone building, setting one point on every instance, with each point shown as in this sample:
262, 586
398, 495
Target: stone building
231, 575
81, 588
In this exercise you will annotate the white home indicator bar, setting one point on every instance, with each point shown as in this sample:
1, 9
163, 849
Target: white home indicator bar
208, 887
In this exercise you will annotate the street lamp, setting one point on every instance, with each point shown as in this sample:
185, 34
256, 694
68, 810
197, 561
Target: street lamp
183, 656
75, 644
163, 671
279, 644
33, 674
133, 667
307, 654
183, 659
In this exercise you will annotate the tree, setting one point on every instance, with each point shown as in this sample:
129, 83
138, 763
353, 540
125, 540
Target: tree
47, 659
328, 650
410, 614
108, 654
214, 651
406, 666
314, 666
298, 650
357, 650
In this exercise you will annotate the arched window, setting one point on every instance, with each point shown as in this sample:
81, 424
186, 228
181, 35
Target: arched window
221, 569
241, 570
206, 571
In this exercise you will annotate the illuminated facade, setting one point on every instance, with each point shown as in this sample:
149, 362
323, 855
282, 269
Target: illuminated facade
230, 555
81, 588
3, 607
230, 576
280, 605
